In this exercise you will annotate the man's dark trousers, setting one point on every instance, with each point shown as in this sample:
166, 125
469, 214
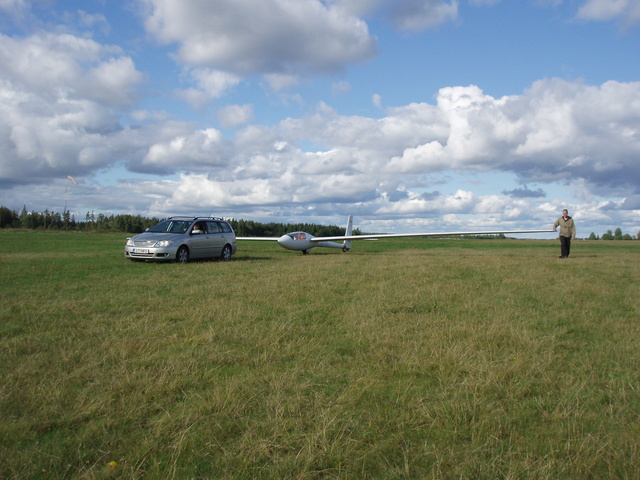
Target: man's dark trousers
565, 246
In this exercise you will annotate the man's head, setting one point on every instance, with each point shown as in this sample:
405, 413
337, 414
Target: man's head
565, 213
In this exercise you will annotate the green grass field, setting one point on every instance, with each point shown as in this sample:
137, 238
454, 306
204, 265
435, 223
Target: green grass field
421, 358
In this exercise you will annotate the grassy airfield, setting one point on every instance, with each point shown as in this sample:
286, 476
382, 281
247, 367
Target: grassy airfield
405, 358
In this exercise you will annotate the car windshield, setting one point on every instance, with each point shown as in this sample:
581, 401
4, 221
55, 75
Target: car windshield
171, 226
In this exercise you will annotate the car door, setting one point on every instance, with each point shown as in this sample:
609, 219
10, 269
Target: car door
199, 242
216, 238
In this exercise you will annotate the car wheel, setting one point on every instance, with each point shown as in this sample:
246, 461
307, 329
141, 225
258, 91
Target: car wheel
182, 256
226, 253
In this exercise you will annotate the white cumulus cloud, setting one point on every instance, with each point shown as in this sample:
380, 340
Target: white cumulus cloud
286, 37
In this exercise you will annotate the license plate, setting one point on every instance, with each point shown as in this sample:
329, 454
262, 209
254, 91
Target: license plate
140, 250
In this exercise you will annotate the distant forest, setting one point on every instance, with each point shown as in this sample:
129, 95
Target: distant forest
615, 235
137, 224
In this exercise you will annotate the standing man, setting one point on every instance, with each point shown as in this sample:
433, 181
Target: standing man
567, 232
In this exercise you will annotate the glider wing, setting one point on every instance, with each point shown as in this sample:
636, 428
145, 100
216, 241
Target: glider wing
431, 234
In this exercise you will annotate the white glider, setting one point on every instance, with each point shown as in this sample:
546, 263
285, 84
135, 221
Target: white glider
304, 242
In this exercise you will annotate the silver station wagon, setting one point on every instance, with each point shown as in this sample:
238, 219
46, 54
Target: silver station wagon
183, 238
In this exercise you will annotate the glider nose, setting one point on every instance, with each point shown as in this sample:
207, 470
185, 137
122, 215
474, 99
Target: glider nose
284, 240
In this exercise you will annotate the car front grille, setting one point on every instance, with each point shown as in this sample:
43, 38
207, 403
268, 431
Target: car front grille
144, 243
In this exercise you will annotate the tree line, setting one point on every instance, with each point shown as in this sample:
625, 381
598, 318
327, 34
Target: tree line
249, 228
616, 235
49, 220
127, 223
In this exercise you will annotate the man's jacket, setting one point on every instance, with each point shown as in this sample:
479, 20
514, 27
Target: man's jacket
567, 227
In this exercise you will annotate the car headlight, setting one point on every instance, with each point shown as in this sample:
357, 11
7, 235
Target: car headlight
163, 243
129, 242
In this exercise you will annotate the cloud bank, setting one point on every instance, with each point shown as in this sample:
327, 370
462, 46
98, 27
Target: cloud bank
71, 105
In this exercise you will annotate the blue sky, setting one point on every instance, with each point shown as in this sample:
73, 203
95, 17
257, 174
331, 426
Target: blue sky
412, 115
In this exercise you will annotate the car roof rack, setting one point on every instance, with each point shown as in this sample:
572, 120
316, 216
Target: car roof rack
185, 217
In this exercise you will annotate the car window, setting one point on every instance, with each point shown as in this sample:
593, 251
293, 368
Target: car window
226, 227
213, 227
200, 227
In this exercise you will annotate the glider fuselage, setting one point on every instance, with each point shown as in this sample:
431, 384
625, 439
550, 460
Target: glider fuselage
303, 242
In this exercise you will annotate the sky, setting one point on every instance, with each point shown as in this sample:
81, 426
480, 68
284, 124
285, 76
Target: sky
411, 115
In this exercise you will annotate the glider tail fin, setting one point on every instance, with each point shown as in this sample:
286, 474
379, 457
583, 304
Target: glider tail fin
346, 245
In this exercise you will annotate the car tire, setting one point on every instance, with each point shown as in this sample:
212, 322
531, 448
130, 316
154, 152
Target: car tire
226, 253
182, 255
